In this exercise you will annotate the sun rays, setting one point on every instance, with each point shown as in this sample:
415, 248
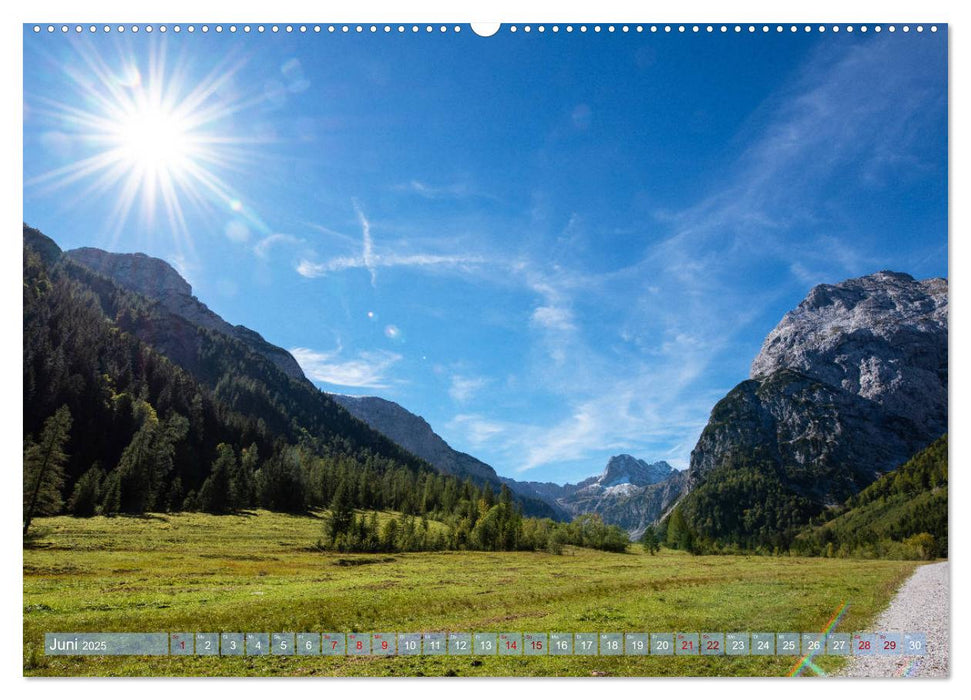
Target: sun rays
154, 139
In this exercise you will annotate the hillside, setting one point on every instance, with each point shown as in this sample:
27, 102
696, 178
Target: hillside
168, 415
414, 434
901, 514
157, 280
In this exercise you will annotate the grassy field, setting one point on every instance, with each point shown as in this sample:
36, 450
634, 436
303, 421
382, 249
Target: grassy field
259, 573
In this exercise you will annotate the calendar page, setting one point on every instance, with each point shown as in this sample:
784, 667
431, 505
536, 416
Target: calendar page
605, 349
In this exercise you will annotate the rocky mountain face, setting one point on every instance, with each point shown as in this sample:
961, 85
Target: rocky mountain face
848, 386
882, 337
159, 281
643, 507
630, 492
414, 434
625, 473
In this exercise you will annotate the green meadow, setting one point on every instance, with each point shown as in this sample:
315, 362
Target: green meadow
259, 572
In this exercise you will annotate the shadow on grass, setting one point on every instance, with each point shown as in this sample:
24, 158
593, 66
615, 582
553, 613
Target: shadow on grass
35, 535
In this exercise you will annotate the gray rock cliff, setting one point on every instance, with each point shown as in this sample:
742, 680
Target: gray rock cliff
159, 281
848, 386
882, 337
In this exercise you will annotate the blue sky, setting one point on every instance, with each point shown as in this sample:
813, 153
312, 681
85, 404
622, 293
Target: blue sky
554, 248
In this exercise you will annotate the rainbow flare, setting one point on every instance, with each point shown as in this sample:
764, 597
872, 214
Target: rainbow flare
807, 660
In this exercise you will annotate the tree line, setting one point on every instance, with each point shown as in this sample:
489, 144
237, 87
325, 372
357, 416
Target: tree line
434, 512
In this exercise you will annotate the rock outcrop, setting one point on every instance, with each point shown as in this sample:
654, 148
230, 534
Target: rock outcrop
882, 337
159, 281
848, 386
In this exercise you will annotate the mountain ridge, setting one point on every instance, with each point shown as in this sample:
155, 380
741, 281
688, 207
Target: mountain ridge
157, 279
847, 387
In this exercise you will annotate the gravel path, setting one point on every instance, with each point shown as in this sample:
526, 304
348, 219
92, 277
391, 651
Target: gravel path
921, 605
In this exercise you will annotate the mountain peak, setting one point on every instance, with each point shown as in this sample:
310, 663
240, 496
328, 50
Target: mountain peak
627, 469
151, 277
882, 337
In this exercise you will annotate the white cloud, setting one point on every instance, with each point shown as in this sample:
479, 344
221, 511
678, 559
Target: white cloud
262, 248
554, 317
237, 231
462, 388
367, 370
455, 190
435, 192
475, 429
371, 259
644, 413
311, 269
367, 245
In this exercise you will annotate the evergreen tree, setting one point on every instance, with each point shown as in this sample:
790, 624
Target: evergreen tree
242, 477
175, 497
340, 520
279, 485
44, 467
678, 534
147, 461
111, 493
389, 536
650, 540
86, 496
216, 493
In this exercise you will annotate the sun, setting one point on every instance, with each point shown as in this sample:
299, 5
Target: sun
153, 138
156, 141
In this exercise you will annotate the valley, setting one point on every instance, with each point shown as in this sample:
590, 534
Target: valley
257, 571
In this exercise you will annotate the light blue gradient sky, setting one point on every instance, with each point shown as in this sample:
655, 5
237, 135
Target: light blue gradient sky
554, 248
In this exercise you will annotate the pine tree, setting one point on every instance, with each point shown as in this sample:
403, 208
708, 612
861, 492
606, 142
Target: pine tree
111, 493
242, 478
216, 493
650, 541
44, 467
86, 496
148, 459
340, 520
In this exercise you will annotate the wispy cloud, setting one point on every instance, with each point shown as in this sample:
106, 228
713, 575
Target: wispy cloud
821, 132
477, 430
555, 317
371, 259
463, 388
455, 190
262, 248
312, 269
367, 245
367, 370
